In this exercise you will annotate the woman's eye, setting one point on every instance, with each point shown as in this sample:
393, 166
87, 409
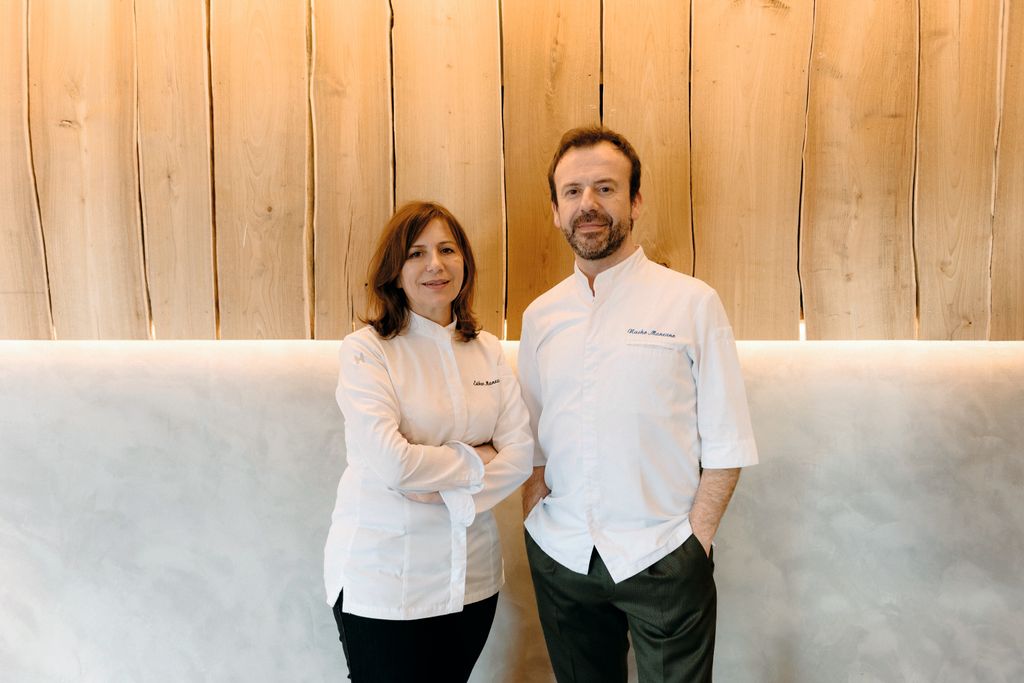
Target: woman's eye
414, 254
447, 250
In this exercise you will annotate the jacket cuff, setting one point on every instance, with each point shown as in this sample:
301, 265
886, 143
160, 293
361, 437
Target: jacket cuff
475, 466
461, 507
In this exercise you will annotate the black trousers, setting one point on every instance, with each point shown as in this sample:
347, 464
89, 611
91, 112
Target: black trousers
443, 648
668, 609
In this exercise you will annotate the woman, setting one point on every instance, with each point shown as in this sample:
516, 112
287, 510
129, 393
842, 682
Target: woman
436, 434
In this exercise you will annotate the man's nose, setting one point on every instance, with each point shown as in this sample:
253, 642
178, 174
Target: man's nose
588, 200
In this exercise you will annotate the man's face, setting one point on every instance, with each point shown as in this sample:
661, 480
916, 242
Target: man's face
593, 209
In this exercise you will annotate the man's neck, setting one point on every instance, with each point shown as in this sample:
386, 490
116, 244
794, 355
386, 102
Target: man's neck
594, 268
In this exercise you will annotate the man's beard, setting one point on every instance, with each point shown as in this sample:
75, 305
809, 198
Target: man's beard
601, 245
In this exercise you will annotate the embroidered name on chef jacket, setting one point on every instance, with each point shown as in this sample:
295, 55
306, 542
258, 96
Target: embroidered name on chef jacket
649, 333
486, 383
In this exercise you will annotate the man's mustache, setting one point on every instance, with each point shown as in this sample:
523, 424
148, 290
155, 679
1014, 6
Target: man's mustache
590, 217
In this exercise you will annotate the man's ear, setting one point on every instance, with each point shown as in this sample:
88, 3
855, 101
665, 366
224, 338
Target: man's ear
554, 216
634, 211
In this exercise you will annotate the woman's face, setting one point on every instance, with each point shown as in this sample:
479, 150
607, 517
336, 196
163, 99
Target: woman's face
432, 273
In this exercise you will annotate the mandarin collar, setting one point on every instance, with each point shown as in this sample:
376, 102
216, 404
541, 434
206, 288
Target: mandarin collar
428, 328
606, 280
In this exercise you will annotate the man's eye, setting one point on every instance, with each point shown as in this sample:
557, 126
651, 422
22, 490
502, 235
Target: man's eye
604, 190
571, 192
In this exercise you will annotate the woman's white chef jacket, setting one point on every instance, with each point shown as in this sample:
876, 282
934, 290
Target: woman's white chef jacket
414, 406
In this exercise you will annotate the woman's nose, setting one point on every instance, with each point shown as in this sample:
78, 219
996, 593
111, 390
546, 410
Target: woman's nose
434, 264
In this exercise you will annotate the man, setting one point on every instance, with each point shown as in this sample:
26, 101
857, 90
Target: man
635, 394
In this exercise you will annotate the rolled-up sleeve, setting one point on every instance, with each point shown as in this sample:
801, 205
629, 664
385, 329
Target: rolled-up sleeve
723, 418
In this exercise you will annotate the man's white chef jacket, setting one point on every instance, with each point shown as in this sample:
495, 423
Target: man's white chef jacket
631, 389
413, 407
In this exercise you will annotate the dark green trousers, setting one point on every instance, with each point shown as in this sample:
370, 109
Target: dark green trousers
668, 609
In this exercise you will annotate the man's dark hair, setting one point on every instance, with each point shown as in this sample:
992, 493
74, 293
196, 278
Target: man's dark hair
588, 136
388, 308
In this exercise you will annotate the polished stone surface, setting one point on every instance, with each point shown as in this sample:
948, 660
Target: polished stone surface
162, 511
163, 507
881, 537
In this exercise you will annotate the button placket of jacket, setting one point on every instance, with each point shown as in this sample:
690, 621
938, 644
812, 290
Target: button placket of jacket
588, 439
457, 583
460, 416
457, 577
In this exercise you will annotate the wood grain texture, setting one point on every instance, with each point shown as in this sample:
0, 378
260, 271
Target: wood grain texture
647, 99
1008, 230
353, 148
857, 261
24, 302
448, 127
82, 117
956, 151
749, 89
552, 84
174, 166
261, 122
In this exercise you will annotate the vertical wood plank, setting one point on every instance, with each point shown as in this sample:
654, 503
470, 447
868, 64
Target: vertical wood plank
1008, 245
552, 84
174, 156
352, 142
956, 150
24, 303
448, 144
82, 117
857, 261
647, 99
749, 88
261, 121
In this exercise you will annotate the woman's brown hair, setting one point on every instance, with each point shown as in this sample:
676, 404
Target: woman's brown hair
388, 308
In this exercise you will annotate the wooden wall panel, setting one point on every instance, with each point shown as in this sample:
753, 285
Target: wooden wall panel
448, 127
353, 148
174, 166
24, 303
956, 151
1008, 232
82, 117
857, 261
647, 99
118, 91
552, 84
749, 89
261, 132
